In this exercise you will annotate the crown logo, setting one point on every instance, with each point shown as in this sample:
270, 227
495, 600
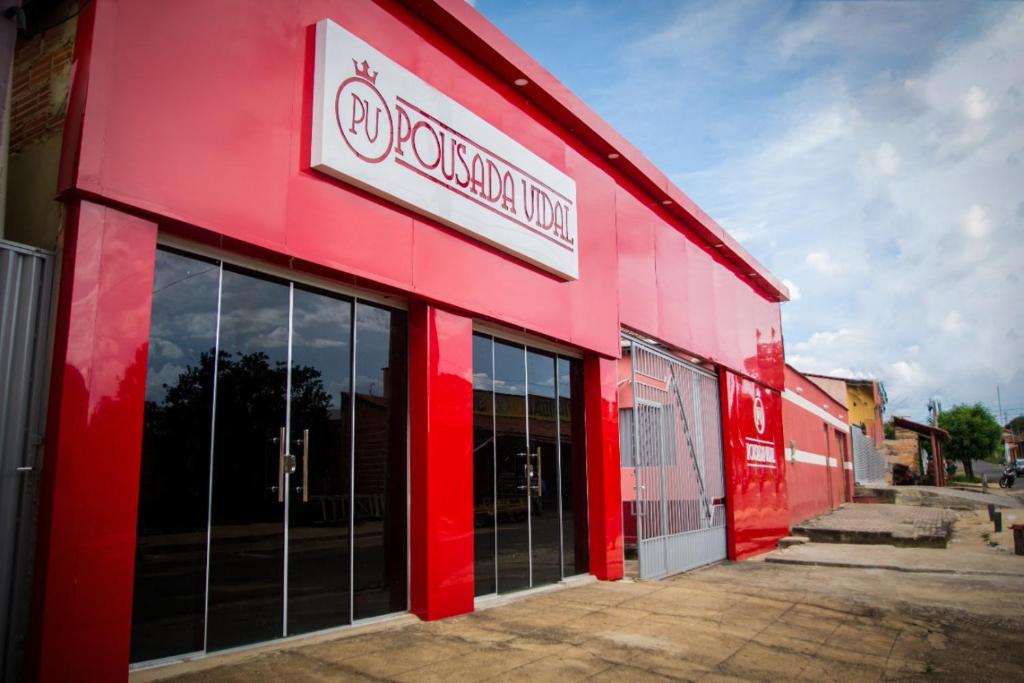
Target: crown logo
363, 71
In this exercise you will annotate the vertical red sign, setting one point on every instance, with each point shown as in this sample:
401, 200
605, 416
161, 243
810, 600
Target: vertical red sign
755, 476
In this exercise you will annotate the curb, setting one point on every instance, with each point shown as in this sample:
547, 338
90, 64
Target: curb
889, 567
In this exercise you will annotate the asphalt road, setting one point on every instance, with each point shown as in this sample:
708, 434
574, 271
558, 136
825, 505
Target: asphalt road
991, 469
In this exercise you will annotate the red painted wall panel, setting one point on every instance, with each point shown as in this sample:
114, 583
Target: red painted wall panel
638, 282
756, 504
82, 598
813, 488
604, 493
440, 462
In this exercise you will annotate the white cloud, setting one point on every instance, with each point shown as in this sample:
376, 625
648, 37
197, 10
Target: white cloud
821, 261
886, 159
975, 222
976, 104
953, 323
926, 229
794, 291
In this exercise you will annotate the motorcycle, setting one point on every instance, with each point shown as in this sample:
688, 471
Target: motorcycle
1009, 476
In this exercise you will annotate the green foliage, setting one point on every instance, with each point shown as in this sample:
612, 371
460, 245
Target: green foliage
974, 433
890, 429
1016, 424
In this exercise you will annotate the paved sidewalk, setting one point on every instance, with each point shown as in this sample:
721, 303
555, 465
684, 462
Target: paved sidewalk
736, 621
881, 523
934, 495
974, 549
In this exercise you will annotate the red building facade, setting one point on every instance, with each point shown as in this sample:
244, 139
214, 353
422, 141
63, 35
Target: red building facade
191, 141
819, 462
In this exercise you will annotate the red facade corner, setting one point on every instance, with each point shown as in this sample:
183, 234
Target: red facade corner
88, 503
603, 473
440, 462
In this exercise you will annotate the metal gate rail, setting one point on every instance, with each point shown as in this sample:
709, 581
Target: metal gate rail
677, 457
25, 290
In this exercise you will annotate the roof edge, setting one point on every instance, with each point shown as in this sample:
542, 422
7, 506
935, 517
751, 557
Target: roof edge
469, 29
919, 427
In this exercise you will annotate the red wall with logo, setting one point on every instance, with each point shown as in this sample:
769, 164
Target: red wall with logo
756, 501
819, 472
207, 124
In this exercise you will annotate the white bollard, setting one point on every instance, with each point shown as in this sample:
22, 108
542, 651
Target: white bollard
984, 482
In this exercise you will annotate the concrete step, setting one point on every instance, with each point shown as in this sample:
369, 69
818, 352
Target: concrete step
875, 537
790, 541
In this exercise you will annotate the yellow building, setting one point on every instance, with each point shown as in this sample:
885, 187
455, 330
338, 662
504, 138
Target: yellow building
864, 399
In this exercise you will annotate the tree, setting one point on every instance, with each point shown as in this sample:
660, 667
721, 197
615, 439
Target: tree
974, 434
1016, 424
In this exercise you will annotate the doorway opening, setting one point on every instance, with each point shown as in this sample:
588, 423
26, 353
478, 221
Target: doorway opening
672, 460
273, 495
529, 467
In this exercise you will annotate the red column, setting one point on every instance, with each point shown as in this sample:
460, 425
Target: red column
85, 558
440, 462
603, 474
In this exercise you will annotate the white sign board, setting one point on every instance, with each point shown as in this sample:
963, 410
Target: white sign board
381, 128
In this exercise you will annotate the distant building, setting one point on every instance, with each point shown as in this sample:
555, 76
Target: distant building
865, 400
819, 459
1014, 448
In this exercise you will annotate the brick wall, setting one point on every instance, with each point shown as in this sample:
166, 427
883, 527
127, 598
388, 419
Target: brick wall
39, 85
904, 450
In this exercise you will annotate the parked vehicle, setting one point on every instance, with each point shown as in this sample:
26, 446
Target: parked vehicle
1009, 476
1019, 466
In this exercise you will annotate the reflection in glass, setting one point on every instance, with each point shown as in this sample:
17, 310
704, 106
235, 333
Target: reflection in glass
246, 532
542, 469
236, 395
513, 558
575, 536
170, 565
318, 518
530, 501
483, 465
379, 518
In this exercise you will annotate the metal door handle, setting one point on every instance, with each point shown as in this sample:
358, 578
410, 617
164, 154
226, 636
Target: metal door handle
282, 444
540, 473
305, 465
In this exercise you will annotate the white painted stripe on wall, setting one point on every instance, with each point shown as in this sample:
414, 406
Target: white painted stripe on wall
797, 399
847, 465
809, 458
832, 462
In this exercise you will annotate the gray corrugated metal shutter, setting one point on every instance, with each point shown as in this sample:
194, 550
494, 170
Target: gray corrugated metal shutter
26, 276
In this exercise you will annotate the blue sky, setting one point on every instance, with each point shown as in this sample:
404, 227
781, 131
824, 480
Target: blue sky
871, 154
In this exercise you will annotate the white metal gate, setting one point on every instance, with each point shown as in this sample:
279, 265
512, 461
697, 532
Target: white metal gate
677, 447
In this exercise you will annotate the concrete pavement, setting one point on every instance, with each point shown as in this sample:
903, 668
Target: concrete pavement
974, 549
874, 523
735, 621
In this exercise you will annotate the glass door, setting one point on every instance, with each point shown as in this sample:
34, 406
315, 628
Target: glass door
273, 495
542, 468
250, 468
530, 504
319, 575
511, 469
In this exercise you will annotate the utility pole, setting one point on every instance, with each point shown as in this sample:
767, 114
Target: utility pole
1002, 422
